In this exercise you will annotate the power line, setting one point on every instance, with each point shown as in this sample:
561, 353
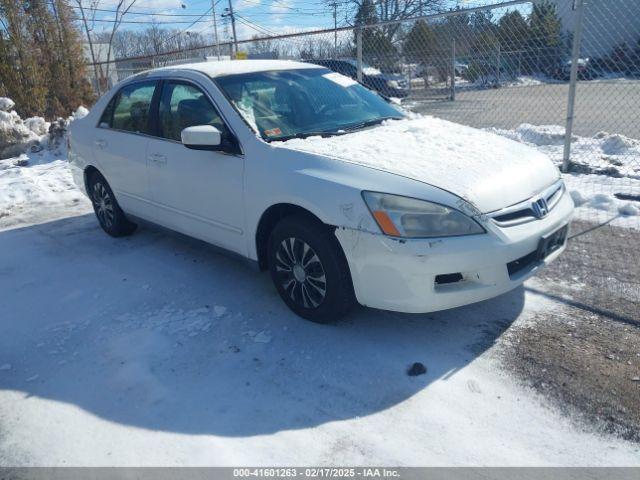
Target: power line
142, 22
187, 28
150, 14
293, 11
254, 26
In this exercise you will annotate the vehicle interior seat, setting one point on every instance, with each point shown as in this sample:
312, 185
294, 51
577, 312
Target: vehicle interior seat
191, 112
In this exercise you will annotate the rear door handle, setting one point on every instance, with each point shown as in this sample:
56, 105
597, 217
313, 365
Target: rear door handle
100, 143
158, 158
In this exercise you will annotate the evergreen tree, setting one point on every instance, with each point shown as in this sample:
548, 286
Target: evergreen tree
546, 46
377, 49
513, 34
482, 21
420, 43
513, 31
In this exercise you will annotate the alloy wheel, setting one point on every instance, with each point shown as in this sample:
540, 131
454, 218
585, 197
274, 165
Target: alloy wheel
103, 204
301, 273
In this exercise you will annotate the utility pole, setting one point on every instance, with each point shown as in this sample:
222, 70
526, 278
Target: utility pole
233, 27
335, 28
215, 27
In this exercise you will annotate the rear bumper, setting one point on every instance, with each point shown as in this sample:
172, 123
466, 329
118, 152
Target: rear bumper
78, 177
401, 275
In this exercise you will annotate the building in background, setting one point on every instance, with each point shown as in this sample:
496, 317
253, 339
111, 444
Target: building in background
100, 51
607, 24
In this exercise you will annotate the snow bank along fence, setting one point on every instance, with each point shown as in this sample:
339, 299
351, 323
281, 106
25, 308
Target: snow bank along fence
563, 75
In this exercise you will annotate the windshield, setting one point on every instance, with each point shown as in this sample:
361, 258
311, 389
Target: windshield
297, 103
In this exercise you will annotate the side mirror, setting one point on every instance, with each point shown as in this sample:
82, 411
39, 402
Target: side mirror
201, 137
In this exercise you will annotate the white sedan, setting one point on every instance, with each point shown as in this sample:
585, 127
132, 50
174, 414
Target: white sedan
340, 195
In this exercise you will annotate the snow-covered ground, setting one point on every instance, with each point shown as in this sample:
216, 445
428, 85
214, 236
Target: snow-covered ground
156, 350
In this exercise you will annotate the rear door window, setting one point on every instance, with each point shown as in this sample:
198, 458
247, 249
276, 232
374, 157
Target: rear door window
132, 108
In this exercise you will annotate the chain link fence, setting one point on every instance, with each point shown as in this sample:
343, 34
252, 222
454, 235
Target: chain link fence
561, 75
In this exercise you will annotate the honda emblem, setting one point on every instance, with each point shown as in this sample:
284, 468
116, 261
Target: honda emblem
540, 208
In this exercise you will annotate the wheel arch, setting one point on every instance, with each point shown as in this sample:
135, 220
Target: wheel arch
269, 219
88, 171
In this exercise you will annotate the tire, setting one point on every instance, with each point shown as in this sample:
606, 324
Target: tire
110, 216
309, 269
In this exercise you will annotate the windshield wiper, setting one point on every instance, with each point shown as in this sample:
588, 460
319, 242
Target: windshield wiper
369, 123
341, 131
304, 135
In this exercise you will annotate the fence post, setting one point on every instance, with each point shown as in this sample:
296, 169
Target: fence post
453, 70
359, 52
498, 62
578, 5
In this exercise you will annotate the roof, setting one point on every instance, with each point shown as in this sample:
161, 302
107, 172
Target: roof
232, 67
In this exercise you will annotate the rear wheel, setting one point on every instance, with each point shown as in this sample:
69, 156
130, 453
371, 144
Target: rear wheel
309, 270
110, 216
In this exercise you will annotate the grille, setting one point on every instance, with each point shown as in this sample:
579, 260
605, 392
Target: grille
522, 212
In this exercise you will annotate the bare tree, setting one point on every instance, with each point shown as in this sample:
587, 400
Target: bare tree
88, 23
121, 10
391, 10
154, 41
263, 46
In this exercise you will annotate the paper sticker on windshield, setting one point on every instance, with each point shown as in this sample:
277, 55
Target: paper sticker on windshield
272, 132
340, 79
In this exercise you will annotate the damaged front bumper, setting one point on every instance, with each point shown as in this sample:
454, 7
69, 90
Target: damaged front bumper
427, 275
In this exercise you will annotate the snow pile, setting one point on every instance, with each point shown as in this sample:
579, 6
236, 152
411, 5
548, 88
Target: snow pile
596, 201
525, 81
37, 125
617, 144
604, 153
492, 81
602, 166
36, 184
536, 135
6, 104
18, 136
80, 112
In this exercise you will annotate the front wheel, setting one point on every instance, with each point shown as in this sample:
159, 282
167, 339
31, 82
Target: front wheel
309, 269
110, 216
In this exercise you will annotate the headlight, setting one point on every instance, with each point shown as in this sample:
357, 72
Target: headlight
393, 84
412, 218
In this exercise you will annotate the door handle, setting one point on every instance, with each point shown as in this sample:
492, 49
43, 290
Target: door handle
158, 158
100, 143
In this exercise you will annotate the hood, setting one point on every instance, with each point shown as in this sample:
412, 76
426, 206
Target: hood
485, 169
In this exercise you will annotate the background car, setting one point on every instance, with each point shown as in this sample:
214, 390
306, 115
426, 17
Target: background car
386, 84
586, 70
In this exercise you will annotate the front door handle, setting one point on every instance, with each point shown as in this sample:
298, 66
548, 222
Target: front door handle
158, 158
100, 143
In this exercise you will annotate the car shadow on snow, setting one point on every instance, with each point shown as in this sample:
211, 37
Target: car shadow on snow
161, 332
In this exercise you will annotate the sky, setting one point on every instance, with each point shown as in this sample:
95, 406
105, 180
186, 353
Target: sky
253, 17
